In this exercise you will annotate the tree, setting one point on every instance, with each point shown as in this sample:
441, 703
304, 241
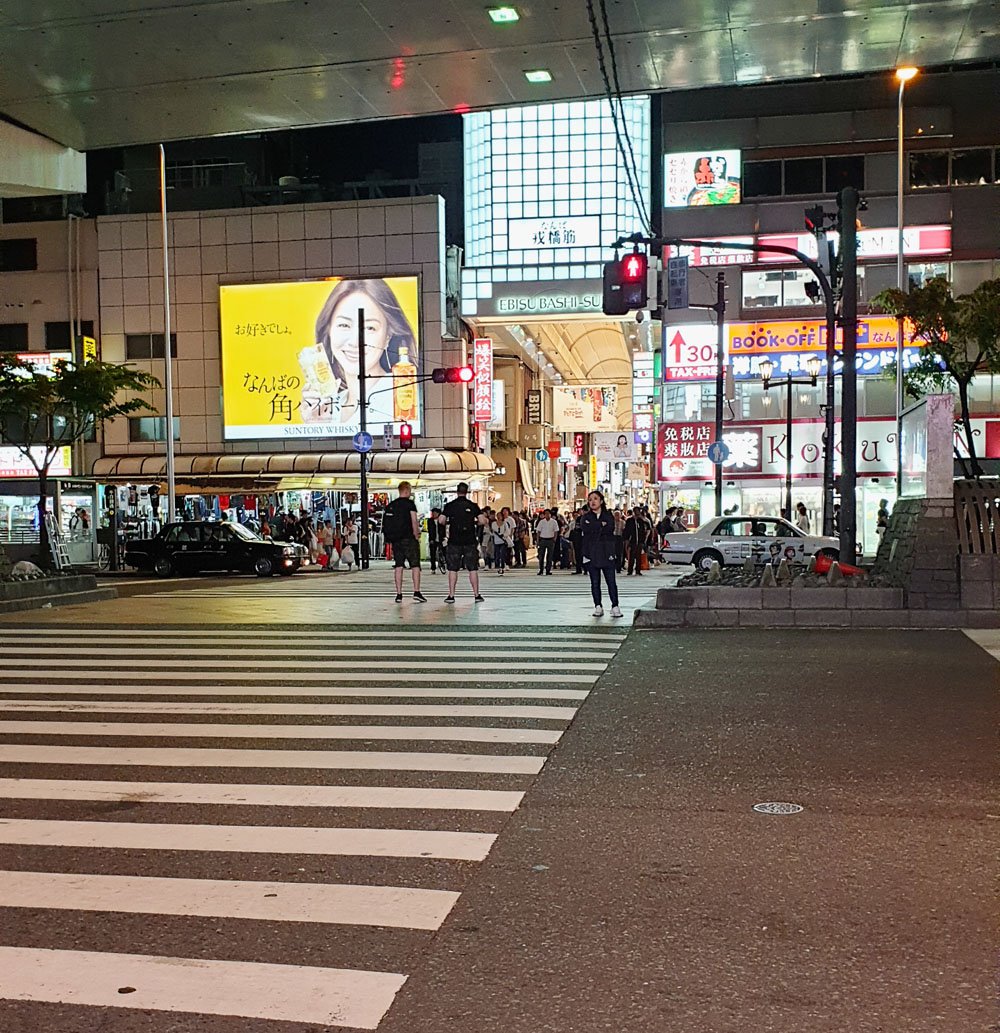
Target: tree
43, 411
959, 337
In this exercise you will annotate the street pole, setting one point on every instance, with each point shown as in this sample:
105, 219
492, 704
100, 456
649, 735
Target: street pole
364, 540
720, 378
903, 75
788, 450
829, 423
848, 205
168, 359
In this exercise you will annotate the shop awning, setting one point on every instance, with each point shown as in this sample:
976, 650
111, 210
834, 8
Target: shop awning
435, 465
525, 471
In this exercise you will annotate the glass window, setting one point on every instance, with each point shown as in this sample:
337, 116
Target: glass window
13, 337
151, 428
148, 346
919, 274
845, 171
59, 338
970, 168
804, 176
18, 255
929, 169
762, 179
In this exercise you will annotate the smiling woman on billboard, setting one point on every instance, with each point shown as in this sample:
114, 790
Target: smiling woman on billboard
290, 362
390, 354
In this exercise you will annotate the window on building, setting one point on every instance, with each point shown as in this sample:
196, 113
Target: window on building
784, 288
59, 336
18, 255
928, 169
847, 170
804, 176
13, 337
151, 428
919, 274
972, 168
148, 346
762, 179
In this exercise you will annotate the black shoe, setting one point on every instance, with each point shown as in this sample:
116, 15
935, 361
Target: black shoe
549, 573
449, 598
480, 599
399, 598
420, 597
541, 572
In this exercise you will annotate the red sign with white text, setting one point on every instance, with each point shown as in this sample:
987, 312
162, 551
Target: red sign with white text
482, 380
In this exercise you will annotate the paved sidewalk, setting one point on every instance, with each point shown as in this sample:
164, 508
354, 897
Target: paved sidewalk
636, 891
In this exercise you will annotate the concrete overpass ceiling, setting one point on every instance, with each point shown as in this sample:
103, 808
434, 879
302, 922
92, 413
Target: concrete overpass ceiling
101, 73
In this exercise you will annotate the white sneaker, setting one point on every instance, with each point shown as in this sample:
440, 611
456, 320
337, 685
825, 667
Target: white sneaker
598, 611
616, 612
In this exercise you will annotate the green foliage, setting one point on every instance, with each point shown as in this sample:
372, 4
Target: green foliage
43, 411
46, 411
958, 337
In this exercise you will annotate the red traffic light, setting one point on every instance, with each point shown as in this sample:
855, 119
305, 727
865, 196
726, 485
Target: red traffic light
405, 436
634, 268
452, 375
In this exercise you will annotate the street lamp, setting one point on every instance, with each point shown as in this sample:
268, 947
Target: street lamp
903, 76
766, 370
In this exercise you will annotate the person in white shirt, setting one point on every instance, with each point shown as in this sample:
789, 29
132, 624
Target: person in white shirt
502, 528
802, 518
547, 530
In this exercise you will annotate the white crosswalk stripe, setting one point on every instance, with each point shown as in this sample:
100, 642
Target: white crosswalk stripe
389, 756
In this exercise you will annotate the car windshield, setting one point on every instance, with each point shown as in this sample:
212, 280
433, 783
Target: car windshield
244, 532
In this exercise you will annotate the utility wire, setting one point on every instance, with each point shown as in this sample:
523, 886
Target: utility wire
633, 188
644, 212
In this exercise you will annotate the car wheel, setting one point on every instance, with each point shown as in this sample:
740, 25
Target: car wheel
263, 566
163, 567
703, 560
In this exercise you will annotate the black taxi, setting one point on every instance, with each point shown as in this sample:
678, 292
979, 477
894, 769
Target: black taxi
192, 546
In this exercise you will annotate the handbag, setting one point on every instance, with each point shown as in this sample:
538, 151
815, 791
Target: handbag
643, 561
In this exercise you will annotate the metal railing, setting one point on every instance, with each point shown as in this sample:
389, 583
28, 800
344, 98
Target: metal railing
977, 516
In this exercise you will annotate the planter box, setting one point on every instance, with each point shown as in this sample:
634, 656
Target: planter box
55, 591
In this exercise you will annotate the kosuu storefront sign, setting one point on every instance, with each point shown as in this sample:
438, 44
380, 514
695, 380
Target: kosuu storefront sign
290, 358
693, 179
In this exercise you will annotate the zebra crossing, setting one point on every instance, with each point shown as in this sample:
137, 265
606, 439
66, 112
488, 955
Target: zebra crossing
232, 822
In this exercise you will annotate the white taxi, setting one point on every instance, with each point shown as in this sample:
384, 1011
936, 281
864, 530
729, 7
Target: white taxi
734, 539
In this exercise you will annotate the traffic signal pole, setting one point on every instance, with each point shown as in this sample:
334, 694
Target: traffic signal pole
847, 202
719, 308
364, 541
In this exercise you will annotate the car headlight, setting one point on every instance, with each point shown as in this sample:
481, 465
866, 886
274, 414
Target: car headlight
289, 550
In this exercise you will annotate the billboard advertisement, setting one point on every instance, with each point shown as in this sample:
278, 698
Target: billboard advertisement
584, 408
615, 448
290, 358
693, 179
14, 463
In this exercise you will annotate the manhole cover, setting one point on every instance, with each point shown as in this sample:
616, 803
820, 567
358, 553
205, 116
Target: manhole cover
777, 808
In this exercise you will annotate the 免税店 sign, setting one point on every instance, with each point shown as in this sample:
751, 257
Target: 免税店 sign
482, 379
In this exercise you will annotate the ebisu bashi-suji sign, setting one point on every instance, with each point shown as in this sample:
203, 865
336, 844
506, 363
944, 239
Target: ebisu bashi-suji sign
482, 379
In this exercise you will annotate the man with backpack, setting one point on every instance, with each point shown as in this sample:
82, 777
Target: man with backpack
401, 529
463, 519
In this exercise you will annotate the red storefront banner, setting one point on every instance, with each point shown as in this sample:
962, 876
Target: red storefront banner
482, 379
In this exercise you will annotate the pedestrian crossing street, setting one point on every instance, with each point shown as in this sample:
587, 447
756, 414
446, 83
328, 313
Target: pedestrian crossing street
208, 824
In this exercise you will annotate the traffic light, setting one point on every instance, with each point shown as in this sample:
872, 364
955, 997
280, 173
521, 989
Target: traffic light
625, 287
814, 219
452, 375
405, 436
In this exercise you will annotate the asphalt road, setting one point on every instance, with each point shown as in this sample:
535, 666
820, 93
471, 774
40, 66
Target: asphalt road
232, 807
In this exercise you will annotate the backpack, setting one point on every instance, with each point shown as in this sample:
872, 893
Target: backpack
396, 523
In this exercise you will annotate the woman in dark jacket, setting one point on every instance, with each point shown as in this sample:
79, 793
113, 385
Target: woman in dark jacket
598, 535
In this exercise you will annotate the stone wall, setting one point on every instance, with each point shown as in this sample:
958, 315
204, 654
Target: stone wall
919, 553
